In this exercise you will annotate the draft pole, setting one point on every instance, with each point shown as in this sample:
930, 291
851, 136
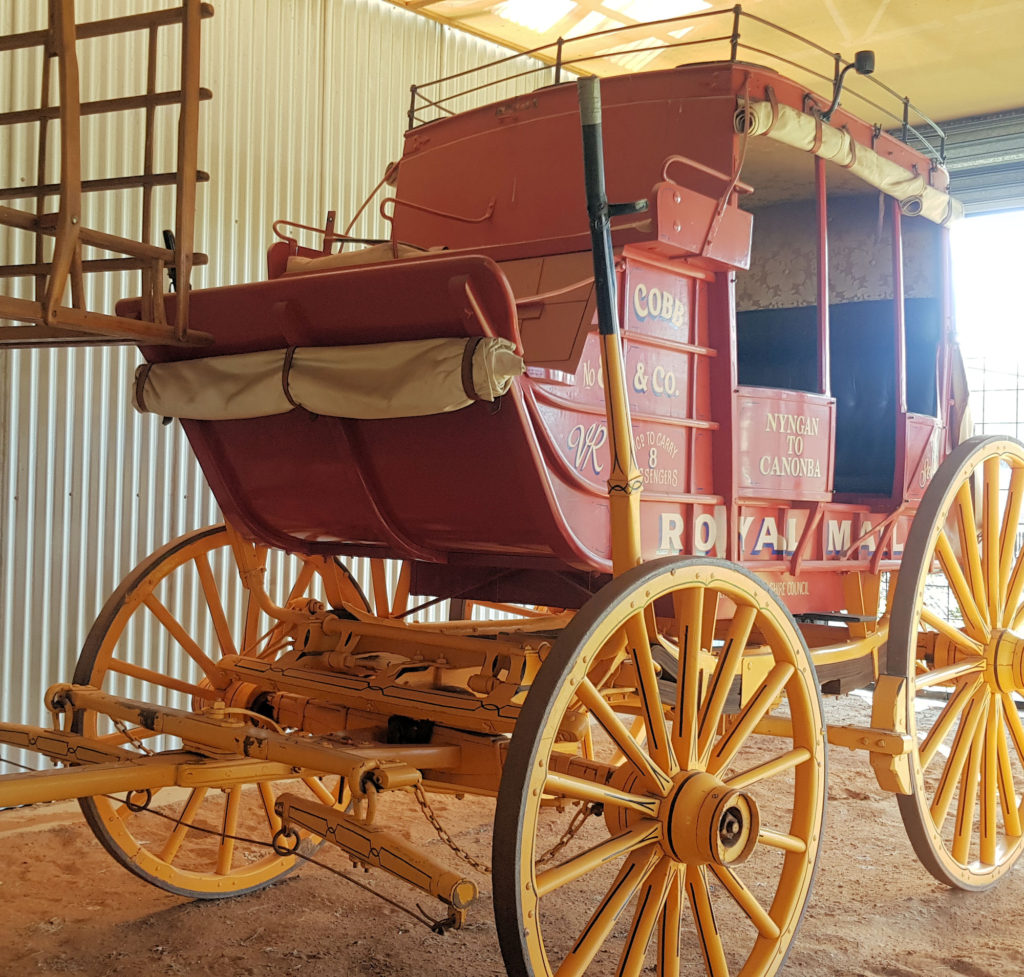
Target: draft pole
625, 481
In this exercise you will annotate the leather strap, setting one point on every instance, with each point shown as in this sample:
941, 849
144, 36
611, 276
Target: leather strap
285, 370
467, 367
853, 150
141, 376
774, 103
816, 145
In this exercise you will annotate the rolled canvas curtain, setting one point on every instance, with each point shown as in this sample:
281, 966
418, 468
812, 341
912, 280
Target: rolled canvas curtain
403, 379
786, 125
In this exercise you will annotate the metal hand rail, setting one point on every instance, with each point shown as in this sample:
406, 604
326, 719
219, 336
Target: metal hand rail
557, 56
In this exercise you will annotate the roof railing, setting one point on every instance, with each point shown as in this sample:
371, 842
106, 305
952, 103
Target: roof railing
572, 56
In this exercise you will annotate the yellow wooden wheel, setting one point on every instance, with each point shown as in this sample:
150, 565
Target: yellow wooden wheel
709, 821
957, 635
158, 639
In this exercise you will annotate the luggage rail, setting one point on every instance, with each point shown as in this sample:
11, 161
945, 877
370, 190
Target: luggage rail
48, 245
620, 50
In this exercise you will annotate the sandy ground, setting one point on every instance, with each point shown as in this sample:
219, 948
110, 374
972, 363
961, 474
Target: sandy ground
68, 908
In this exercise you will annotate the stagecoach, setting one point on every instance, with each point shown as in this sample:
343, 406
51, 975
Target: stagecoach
654, 381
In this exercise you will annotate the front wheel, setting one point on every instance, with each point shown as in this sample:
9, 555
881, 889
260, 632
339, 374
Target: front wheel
158, 639
706, 811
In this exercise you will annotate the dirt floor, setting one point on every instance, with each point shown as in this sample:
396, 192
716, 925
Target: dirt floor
68, 908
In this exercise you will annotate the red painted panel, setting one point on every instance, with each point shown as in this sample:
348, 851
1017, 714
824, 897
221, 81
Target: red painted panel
924, 442
783, 444
523, 483
513, 171
693, 223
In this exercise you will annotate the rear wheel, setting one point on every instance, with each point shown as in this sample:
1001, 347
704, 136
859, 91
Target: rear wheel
158, 639
957, 636
706, 815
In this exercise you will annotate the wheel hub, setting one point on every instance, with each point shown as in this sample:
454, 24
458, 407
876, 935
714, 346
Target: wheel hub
706, 821
1005, 656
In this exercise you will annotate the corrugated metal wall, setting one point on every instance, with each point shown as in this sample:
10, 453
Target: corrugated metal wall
310, 101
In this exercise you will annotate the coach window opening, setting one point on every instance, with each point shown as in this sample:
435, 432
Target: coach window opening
782, 319
887, 313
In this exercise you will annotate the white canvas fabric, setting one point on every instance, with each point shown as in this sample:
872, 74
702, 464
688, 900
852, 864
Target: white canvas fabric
801, 131
404, 379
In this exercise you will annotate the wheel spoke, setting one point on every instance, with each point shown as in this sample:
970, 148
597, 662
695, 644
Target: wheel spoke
961, 589
1013, 723
631, 876
770, 768
990, 531
161, 680
723, 677
322, 793
709, 618
386, 604
1013, 609
1007, 543
644, 832
746, 900
613, 726
267, 796
948, 673
989, 781
688, 607
967, 525
958, 638
963, 829
1007, 787
251, 626
226, 848
784, 842
379, 583
749, 716
338, 585
181, 636
648, 908
302, 580
566, 785
636, 729
400, 603
957, 758
177, 836
704, 919
214, 605
650, 695
944, 723
668, 929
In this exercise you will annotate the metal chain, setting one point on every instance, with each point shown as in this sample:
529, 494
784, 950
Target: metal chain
578, 819
127, 734
428, 813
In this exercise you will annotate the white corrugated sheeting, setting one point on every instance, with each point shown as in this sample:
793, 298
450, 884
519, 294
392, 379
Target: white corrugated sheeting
310, 103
